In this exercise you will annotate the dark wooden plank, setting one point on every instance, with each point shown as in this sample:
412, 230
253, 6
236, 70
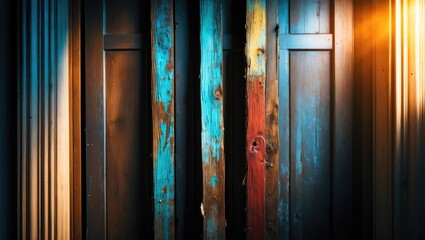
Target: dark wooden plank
95, 122
124, 16
306, 16
126, 153
212, 137
306, 41
272, 121
124, 42
184, 146
342, 120
310, 144
255, 136
284, 127
162, 44
362, 121
76, 153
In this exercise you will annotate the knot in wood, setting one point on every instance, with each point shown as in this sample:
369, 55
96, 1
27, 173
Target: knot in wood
258, 144
218, 93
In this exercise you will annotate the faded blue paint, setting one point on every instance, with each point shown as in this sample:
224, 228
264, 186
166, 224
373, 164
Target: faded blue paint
212, 223
163, 45
211, 81
163, 84
164, 179
214, 180
211, 77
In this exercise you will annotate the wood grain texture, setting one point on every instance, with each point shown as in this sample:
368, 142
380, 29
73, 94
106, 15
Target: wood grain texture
306, 16
306, 41
255, 52
212, 123
126, 159
284, 127
342, 119
76, 132
94, 121
310, 144
162, 44
272, 121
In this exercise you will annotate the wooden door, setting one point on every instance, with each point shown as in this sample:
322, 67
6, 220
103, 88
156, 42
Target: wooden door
315, 118
117, 113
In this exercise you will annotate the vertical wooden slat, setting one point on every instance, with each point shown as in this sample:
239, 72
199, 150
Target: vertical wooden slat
183, 126
212, 137
342, 119
284, 127
163, 116
95, 121
255, 136
76, 182
272, 121
33, 143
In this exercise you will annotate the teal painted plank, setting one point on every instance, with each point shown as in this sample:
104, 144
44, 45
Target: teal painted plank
163, 117
212, 137
284, 127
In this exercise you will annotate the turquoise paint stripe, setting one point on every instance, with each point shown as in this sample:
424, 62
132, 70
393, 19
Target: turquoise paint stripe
163, 67
211, 76
211, 81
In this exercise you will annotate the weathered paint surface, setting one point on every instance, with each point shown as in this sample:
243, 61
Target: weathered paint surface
212, 136
163, 117
284, 127
255, 141
272, 121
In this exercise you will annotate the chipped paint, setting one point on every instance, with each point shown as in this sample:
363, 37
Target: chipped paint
163, 117
255, 104
214, 180
256, 43
212, 137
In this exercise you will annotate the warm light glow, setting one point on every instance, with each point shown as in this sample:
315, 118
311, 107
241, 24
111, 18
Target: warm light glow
409, 57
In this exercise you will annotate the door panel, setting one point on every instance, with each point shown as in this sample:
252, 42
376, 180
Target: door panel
117, 112
307, 90
310, 143
307, 16
126, 151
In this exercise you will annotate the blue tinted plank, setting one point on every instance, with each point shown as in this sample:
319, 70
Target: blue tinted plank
163, 117
212, 137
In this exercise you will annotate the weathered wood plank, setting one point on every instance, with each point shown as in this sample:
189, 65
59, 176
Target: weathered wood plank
162, 44
212, 137
310, 150
255, 136
306, 41
284, 127
272, 121
306, 16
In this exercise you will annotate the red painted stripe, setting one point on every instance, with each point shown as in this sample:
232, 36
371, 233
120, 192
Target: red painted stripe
255, 155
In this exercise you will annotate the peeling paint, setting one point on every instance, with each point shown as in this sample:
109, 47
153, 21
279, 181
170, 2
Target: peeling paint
212, 123
163, 118
214, 180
